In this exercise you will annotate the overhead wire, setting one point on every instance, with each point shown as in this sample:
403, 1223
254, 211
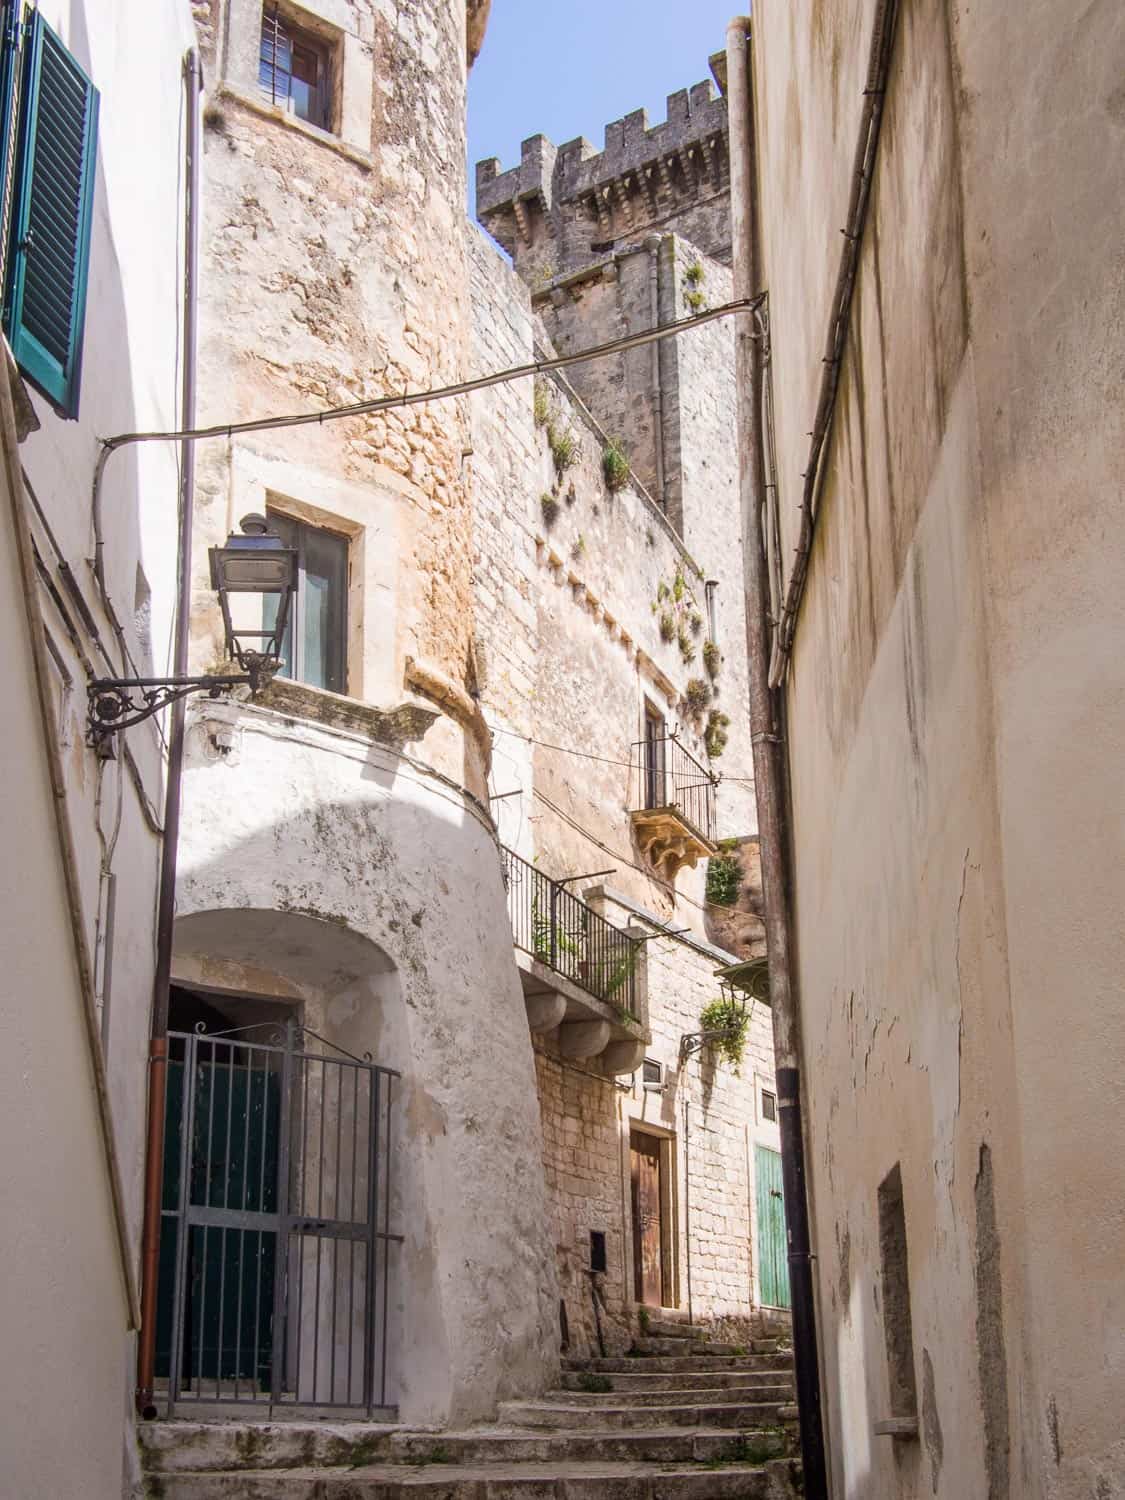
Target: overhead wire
404, 398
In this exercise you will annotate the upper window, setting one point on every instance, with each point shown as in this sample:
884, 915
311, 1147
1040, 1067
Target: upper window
48, 149
654, 761
295, 69
769, 1105
315, 646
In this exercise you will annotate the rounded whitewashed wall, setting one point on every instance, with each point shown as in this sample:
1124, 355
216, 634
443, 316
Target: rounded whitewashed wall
320, 867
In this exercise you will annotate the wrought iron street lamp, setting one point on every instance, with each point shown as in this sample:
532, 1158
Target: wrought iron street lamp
251, 570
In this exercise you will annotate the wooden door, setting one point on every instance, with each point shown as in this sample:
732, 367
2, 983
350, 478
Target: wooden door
773, 1243
648, 1273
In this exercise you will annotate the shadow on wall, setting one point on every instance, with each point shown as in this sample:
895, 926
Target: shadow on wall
355, 910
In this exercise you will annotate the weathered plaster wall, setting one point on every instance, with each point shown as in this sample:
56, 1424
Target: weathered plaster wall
62, 1345
66, 1347
955, 653
320, 822
58, 1237
335, 271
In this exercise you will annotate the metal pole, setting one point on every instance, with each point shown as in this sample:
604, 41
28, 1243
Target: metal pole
767, 722
166, 898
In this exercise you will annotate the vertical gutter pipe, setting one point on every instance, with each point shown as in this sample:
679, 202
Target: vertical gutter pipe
767, 723
653, 244
166, 897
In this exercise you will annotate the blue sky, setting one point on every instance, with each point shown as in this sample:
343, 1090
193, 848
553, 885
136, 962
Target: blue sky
565, 70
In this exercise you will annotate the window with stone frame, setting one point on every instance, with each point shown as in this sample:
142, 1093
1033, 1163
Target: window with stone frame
295, 68
315, 646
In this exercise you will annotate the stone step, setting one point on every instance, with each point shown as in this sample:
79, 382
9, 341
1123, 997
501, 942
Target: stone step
645, 1346
222, 1447
569, 1481
667, 1328
660, 1386
635, 1415
682, 1364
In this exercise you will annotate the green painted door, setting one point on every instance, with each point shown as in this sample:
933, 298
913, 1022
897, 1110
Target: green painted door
773, 1249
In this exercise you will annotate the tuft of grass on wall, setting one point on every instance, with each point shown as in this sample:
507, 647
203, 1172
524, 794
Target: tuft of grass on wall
542, 403
715, 735
564, 447
615, 466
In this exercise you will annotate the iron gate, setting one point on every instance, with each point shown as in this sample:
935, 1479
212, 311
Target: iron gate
275, 1221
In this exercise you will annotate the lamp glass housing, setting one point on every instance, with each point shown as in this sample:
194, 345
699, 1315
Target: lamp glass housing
255, 567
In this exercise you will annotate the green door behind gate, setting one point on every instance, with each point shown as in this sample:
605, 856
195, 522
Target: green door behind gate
773, 1248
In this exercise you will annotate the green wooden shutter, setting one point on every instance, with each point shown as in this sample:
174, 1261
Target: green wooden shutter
50, 233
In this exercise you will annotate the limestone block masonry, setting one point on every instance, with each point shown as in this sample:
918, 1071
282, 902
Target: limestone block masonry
562, 206
337, 860
608, 583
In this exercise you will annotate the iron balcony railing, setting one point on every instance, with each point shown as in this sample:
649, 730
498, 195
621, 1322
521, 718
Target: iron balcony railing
555, 926
666, 775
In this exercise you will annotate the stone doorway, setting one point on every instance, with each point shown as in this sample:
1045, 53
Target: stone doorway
649, 1199
273, 1254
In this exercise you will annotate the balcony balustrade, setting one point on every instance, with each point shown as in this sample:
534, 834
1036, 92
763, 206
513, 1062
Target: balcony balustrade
674, 807
556, 928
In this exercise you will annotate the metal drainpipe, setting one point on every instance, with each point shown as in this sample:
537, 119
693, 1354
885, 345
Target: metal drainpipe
166, 898
767, 722
687, 1202
652, 245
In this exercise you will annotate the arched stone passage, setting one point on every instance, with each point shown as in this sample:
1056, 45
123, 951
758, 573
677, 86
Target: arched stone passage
346, 986
322, 1157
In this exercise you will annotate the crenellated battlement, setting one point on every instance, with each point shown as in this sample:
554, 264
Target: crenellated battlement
563, 204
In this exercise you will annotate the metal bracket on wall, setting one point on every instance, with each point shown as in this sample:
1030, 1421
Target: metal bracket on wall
120, 702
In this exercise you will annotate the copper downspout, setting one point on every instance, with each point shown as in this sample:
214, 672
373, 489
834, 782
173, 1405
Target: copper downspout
166, 899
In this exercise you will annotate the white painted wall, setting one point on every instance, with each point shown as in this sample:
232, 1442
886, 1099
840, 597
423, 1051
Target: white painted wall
329, 825
66, 1340
957, 720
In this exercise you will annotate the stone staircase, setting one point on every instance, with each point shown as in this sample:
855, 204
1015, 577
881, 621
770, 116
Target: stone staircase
678, 1418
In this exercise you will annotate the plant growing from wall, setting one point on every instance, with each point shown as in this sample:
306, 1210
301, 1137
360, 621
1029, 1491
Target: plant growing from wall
715, 734
667, 624
615, 466
687, 650
712, 659
730, 1022
697, 695
696, 622
694, 296
564, 447
550, 508
724, 879
542, 403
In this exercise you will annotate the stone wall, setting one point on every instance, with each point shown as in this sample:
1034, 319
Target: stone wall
564, 206
353, 823
335, 273
956, 707
571, 582
707, 1113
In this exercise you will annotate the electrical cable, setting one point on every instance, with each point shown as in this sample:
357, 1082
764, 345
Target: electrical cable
405, 398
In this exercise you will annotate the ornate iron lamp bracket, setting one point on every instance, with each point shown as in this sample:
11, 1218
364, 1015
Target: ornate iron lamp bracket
120, 702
